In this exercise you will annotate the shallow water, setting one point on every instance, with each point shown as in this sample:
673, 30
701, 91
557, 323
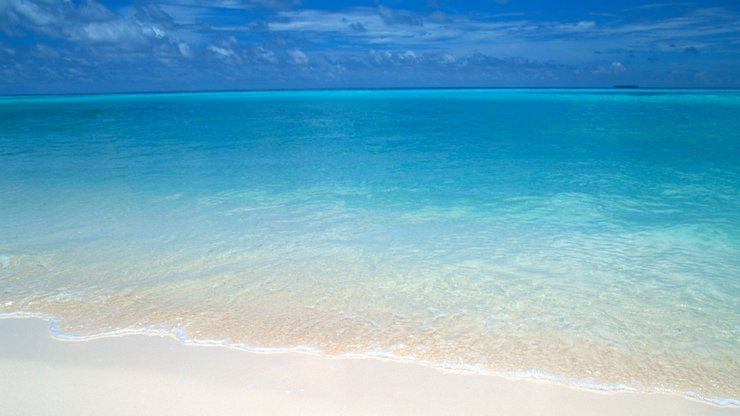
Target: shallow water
588, 235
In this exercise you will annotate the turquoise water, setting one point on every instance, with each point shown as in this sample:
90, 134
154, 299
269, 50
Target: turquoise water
590, 236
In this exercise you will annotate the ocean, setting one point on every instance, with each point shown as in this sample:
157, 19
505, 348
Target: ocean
590, 237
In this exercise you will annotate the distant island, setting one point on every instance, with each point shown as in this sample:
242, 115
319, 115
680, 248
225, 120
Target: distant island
626, 86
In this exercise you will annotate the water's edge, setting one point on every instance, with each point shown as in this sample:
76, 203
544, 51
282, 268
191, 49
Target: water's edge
181, 336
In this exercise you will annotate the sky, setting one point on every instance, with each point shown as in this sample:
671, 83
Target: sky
60, 46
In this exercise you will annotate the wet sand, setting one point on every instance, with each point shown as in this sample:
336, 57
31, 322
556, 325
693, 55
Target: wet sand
141, 374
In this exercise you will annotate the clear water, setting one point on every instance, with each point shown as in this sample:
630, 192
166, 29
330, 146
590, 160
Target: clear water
586, 235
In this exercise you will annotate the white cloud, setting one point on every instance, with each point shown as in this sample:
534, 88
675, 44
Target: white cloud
116, 31
266, 55
615, 67
298, 56
578, 26
158, 32
87, 21
408, 55
184, 49
222, 51
26, 11
448, 58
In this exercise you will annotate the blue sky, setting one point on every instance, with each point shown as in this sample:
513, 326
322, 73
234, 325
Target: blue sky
141, 45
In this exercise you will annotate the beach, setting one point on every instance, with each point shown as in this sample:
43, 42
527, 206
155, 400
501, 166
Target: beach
140, 374
286, 207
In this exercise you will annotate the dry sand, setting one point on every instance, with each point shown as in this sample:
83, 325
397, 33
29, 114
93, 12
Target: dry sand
150, 375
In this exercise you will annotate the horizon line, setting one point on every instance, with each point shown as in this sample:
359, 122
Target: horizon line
143, 92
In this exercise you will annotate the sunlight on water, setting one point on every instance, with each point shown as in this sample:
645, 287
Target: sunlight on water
589, 235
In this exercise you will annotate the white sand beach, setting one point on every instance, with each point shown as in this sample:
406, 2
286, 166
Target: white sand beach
141, 374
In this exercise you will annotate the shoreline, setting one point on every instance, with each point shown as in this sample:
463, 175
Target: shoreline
315, 378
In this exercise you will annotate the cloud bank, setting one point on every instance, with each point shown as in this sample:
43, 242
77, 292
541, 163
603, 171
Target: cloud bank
89, 45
